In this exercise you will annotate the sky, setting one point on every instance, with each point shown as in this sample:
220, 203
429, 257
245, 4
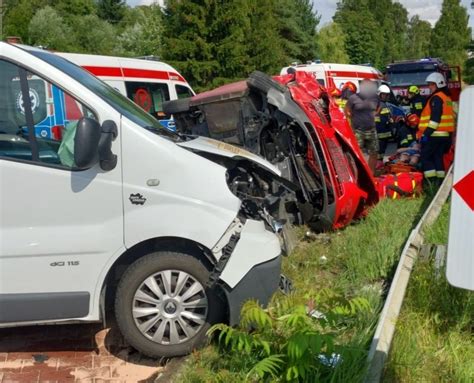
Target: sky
428, 10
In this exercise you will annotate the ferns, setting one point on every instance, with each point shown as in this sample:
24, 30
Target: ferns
291, 345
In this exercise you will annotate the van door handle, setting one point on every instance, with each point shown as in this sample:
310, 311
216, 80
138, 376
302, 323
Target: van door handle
153, 182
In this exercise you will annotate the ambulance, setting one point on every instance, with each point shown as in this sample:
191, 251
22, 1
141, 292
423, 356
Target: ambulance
332, 75
146, 81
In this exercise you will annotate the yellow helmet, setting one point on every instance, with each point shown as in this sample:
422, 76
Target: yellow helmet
414, 89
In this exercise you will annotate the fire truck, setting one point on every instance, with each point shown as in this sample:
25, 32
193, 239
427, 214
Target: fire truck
402, 74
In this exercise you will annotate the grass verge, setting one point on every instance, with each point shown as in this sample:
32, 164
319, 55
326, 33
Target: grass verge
434, 337
342, 275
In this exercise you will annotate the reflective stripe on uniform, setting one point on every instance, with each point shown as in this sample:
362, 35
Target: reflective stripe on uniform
440, 173
430, 173
384, 135
440, 134
418, 105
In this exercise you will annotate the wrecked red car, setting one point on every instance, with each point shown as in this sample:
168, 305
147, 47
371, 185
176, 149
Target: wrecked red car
292, 122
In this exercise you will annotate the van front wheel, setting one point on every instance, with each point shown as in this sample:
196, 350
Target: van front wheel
163, 307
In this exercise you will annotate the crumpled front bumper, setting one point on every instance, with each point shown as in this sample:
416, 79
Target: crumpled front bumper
253, 269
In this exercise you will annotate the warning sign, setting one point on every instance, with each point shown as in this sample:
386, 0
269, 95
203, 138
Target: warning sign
460, 262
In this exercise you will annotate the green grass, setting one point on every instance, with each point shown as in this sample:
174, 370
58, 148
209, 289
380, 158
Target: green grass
434, 338
354, 262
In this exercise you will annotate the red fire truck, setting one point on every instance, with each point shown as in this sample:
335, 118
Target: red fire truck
402, 74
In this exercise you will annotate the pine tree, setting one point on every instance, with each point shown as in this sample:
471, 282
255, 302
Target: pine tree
188, 42
111, 10
451, 34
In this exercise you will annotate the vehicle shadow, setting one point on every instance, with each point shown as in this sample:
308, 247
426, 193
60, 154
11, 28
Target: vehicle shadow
80, 352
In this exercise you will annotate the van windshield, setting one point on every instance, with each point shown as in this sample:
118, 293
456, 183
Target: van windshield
119, 102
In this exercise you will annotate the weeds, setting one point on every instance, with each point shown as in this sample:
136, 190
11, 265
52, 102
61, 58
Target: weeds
341, 276
434, 337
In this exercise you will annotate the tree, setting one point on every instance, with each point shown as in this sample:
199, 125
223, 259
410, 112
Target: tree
111, 10
419, 34
451, 34
17, 17
187, 39
93, 35
331, 44
47, 28
143, 36
297, 23
364, 42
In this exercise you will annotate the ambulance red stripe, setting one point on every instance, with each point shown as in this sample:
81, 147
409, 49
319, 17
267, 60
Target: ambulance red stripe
133, 72
333, 73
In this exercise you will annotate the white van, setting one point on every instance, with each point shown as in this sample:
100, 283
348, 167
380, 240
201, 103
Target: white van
146, 81
335, 76
174, 232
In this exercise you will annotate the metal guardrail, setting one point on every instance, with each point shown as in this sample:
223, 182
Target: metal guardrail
385, 330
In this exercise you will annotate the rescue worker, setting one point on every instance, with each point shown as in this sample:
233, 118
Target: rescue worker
407, 131
336, 94
383, 120
437, 124
348, 89
416, 100
360, 111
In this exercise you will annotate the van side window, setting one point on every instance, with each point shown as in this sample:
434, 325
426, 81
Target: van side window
149, 96
41, 126
183, 92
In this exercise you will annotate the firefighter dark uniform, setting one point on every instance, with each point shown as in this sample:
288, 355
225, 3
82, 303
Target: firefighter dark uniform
383, 124
406, 134
417, 103
437, 123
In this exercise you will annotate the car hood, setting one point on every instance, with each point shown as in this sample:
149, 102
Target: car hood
209, 145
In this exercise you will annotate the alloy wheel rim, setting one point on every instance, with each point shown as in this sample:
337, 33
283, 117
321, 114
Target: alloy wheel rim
170, 307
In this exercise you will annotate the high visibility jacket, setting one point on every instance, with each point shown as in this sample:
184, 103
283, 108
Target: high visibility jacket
447, 123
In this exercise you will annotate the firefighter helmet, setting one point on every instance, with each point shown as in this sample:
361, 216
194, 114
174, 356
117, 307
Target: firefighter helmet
437, 78
351, 86
334, 92
412, 120
414, 89
383, 89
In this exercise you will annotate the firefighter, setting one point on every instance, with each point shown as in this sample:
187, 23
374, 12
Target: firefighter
336, 94
383, 120
437, 124
407, 131
416, 100
348, 89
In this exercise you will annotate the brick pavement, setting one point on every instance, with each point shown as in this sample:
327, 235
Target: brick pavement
71, 353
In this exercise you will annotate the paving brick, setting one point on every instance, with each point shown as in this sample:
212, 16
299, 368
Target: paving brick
13, 377
61, 375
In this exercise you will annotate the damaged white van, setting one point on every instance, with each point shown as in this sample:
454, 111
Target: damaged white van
174, 232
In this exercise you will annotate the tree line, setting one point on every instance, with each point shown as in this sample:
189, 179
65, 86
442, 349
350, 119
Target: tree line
216, 41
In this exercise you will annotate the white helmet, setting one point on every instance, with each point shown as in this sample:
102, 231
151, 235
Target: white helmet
437, 78
383, 89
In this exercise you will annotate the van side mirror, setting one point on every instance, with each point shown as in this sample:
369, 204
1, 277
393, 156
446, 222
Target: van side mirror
86, 143
109, 132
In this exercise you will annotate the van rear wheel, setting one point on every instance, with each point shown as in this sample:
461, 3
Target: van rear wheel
163, 307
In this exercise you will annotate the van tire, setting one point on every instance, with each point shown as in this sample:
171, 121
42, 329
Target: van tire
264, 82
133, 280
176, 106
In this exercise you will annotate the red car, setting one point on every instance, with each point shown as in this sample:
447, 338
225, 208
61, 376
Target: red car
292, 122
